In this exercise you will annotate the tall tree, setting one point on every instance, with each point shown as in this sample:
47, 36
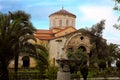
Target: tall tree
98, 50
28, 29
7, 39
14, 35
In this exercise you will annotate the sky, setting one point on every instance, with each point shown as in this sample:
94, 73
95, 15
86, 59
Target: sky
88, 12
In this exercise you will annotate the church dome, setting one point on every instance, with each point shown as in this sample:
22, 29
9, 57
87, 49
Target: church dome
63, 12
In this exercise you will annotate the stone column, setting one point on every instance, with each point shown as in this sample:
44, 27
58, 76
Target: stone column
64, 70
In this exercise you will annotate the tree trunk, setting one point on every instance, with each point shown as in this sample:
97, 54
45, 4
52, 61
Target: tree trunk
16, 66
4, 71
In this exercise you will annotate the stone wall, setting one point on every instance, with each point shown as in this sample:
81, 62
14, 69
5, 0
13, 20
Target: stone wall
58, 47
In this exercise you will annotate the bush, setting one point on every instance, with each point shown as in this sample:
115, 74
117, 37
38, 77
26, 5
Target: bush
102, 64
52, 72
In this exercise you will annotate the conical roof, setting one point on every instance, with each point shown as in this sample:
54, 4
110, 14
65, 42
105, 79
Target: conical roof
63, 12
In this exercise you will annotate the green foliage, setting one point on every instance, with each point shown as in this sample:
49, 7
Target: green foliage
84, 71
14, 35
99, 47
42, 58
102, 64
42, 54
98, 28
81, 58
112, 53
52, 72
78, 54
117, 8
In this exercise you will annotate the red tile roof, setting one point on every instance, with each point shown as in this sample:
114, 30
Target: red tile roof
43, 32
49, 34
45, 37
65, 29
63, 12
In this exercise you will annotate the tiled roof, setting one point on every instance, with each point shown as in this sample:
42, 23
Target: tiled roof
45, 37
63, 12
43, 32
66, 29
49, 34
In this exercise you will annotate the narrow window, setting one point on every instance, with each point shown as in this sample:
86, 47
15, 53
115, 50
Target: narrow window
67, 22
60, 23
54, 23
72, 23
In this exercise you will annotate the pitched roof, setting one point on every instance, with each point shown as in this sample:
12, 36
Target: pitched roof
43, 32
63, 12
49, 33
66, 29
45, 37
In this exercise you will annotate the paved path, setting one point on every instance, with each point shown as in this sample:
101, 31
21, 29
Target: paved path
102, 78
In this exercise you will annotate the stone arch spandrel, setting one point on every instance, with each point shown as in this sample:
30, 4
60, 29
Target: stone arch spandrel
67, 41
76, 40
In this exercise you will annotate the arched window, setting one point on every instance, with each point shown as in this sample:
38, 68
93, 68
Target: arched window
54, 23
67, 22
72, 23
60, 23
82, 48
26, 61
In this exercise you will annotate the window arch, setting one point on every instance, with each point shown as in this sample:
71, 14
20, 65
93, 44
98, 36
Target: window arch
82, 48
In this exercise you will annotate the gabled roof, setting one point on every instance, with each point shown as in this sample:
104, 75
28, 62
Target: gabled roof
63, 12
49, 33
43, 32
45, 37
66, 29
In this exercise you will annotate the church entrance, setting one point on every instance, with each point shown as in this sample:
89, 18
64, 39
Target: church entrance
26, 61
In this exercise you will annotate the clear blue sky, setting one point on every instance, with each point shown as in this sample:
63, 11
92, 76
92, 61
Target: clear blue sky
88, 13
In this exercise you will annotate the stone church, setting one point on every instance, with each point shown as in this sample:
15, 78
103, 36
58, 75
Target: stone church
61, 36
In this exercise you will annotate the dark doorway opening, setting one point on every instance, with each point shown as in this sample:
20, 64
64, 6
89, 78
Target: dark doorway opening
26, 61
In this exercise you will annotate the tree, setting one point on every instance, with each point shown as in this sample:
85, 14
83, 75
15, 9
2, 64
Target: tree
14, 35
102, 64
81, 58
117, 8
26, 33
99, 45
84, 71
112, 51
7, 38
